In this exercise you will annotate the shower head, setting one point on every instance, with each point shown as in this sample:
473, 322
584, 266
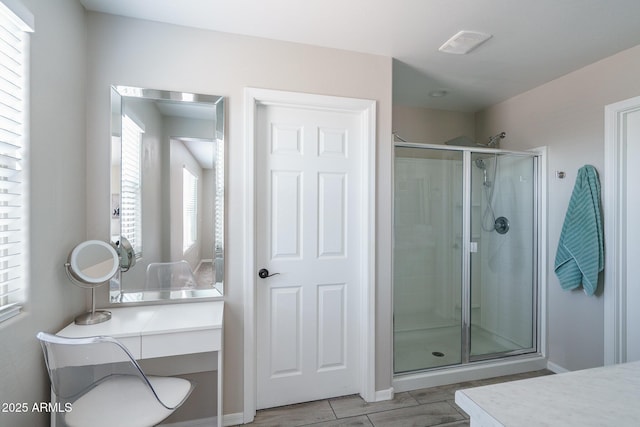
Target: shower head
480, 164
495, 139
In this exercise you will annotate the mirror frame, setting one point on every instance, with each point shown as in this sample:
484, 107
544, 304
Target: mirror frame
118, 96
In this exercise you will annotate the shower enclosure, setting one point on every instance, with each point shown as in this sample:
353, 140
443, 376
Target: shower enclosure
466, 242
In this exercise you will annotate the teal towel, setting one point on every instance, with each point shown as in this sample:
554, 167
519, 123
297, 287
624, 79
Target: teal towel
580, 255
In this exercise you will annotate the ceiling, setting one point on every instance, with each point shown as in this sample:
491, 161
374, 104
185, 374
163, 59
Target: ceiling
203, 150
533, 41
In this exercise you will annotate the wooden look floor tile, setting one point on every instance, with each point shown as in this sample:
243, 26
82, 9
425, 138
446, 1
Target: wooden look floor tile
429, 414
346, 422
350, 406
295, 415
433, 406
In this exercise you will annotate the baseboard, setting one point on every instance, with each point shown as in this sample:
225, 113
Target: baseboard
200, 422
227, 420
556, 368
233, 419
384, 395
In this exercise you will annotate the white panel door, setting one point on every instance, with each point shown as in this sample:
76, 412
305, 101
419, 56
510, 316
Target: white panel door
308, 206
632, 131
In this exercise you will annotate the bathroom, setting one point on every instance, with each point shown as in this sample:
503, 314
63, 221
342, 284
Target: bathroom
77, 55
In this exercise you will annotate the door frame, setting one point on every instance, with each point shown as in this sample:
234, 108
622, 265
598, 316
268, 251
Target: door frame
254, 97
615, 285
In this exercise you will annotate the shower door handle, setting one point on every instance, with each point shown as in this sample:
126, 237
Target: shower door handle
263, 273
473, 247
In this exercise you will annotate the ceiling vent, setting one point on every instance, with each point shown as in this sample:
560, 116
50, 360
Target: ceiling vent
464, 42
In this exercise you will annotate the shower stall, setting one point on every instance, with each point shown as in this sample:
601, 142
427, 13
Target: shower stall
466, 256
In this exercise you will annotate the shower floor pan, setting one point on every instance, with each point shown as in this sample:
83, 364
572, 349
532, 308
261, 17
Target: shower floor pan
431, 348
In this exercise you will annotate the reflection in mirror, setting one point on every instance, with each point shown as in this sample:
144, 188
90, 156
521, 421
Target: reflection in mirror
167, 193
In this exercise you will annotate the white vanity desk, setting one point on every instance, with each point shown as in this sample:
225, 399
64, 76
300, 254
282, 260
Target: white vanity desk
596, 397
154, 331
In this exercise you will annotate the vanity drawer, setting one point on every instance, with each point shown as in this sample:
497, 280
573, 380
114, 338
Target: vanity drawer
131, 342
183, 342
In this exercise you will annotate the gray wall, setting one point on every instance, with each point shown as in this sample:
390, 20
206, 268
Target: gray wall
567, 115
159, 56
57, 185
430, 126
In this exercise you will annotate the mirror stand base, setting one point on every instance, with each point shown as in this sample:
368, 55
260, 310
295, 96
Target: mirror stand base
93, 317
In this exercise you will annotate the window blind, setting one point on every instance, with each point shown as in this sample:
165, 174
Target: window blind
189, 209
131, 190
13, 197
219, 225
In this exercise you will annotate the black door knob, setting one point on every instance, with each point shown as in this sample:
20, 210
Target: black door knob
263, 273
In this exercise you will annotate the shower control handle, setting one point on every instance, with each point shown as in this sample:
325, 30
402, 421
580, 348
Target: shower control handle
263, 273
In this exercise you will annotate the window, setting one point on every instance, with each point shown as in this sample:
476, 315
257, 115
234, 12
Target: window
189, 209
13, 144
131, 190
219, 207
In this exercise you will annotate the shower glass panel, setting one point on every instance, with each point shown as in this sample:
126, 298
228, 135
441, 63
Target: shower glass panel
503, 254
427, 258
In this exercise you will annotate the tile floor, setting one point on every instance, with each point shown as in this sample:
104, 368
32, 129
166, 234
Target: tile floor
419, 408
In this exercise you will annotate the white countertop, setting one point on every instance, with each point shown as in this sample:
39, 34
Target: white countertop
607, 396
160, 330
153, 319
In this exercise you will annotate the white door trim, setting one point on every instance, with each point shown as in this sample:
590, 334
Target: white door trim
367, 110
615, 286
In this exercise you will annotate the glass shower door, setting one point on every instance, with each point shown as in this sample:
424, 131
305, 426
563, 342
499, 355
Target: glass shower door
427, 258
503, 255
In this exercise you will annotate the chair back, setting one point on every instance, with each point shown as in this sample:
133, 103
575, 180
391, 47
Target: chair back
76, 365
169, 276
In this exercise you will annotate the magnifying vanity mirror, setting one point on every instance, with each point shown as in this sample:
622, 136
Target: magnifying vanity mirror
167, 193
89, 265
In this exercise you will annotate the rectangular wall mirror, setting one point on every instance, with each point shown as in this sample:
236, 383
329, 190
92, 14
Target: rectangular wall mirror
167, 193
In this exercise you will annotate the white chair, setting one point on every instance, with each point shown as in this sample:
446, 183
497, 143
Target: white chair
164, 276
98, 383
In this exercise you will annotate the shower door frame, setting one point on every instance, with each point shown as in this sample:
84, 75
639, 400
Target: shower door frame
538, 156
467, 280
